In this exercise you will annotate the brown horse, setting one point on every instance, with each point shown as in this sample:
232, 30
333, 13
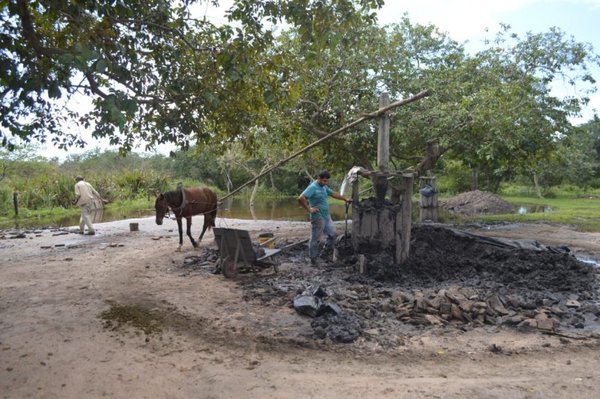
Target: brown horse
185, 203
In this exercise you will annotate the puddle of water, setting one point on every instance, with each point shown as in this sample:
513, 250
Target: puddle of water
274, 209
239, 208
522, 210
106, 215
588, 260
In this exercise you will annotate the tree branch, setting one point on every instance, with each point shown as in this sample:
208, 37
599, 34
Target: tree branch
29, 32
94, 85
178, 32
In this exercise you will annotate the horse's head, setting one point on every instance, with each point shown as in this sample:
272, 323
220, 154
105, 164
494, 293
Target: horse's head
162, 207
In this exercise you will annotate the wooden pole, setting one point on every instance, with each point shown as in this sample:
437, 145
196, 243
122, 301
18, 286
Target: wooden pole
383, 138
355, 214
403, 250
360, 120
383, 151
16, 202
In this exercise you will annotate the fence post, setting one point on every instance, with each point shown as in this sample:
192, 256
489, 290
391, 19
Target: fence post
16, 202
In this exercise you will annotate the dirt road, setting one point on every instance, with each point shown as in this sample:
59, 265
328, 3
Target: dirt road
204, 340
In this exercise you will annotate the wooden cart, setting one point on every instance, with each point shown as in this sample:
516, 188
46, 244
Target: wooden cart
236, 249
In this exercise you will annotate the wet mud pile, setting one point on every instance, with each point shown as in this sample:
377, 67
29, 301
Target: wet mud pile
440, 255
452, 276
452, 280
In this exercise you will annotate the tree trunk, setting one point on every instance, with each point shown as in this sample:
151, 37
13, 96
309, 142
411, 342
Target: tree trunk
496, 184
254, 191
228, 183
272, 181
536, 183
475, 178
308, 175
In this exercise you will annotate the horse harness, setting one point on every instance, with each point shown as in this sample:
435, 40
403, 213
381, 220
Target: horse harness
185, 202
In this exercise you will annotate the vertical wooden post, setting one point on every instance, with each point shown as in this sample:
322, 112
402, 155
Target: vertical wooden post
16, 202
355, 215
380, 182
383, 138
362, 264
403, 240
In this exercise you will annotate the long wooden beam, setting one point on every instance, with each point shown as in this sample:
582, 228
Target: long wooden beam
358, 121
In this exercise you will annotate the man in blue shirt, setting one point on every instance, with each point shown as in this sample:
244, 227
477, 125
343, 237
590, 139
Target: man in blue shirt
314, 200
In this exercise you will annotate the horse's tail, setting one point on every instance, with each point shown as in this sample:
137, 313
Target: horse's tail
212, 214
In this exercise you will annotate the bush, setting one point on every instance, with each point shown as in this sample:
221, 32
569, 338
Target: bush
517, 190
6, 203
456, 178
594, 183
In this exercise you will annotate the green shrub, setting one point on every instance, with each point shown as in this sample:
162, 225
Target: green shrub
594, 183
6, 201
517, 190
456, 178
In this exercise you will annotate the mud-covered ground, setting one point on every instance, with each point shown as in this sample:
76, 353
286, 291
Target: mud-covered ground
123, 314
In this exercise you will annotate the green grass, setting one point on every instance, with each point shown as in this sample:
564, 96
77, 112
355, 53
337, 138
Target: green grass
580, 211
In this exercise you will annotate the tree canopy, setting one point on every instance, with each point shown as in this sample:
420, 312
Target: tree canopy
155, 73
282, 73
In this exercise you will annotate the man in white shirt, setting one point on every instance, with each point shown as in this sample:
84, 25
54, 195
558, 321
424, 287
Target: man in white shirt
86, 198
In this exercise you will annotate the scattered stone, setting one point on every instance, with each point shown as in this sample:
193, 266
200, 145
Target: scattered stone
496, 305
528, 324
311, 303
572, 303
329, 308
434, 320
496, 348
545, 324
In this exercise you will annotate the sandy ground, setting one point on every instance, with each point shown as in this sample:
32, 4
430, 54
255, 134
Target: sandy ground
55, 344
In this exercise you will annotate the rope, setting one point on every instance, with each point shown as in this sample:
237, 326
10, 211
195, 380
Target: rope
195, 202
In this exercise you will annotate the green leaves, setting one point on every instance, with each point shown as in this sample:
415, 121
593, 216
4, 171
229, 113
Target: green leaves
158, 76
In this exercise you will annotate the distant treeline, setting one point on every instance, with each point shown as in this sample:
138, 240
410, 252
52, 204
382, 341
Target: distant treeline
42, 183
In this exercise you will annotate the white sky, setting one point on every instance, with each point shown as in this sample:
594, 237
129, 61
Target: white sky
466, 21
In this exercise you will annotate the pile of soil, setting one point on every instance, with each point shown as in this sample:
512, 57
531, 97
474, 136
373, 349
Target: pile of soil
477, 202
